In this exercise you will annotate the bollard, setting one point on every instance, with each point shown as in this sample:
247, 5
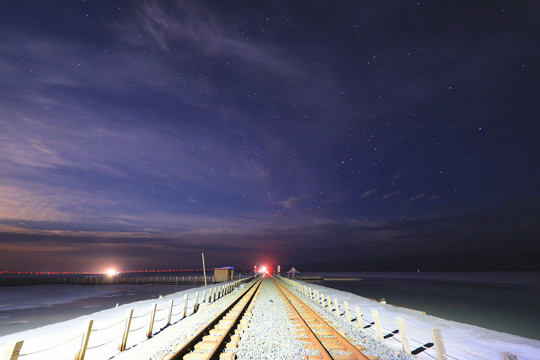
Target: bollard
129, 315
171, 305
214, 295
152, 317
359, 317
336, 306
84, 342
219, 292
508, 356
439, 344
347, 313
329, 308
185, 305
204, 296
403, 334
196, 305
13, 350
321, 300
210, 295
377, 322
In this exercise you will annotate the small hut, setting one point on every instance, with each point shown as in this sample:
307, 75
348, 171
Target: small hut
223, 274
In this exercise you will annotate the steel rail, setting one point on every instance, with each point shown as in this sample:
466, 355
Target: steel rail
243, 300
298, 306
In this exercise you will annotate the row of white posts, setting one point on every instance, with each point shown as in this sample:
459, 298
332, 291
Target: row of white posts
435, 333
14, 348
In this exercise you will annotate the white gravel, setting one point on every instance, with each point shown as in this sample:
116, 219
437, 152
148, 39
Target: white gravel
270, 334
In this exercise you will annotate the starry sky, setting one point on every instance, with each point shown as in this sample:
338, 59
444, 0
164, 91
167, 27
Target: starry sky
350, 135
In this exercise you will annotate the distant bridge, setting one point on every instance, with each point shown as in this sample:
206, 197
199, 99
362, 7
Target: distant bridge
107, 280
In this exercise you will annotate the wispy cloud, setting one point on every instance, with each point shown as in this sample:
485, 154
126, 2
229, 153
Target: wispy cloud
414, 198
368, 193
389, 195
413, 242
191, 24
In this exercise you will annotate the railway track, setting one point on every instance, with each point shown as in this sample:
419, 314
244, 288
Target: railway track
330, 343
219, 338
210, 342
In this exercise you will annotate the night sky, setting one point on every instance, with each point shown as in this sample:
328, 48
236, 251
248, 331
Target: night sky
328, 135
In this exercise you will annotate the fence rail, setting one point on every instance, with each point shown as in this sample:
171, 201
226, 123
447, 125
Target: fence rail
393, 330
119, 337
107, 280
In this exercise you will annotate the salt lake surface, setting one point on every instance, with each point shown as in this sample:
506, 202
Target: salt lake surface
28, 307
503, 301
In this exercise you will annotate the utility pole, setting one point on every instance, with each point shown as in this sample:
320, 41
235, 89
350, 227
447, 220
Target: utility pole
204, 269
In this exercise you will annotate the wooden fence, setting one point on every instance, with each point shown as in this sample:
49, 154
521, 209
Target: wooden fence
383, 329
115, 338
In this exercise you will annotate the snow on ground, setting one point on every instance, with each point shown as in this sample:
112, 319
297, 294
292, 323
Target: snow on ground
462, 341
62, 340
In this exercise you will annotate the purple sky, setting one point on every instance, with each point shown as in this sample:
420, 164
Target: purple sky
354, 135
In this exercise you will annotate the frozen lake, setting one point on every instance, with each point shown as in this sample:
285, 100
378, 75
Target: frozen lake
28, 307
507, 302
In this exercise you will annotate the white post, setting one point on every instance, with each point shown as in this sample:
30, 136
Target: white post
129, 315
336, 306
321, 299
329, 308
171, 305
359, 317
84, 343
13, 350
377, 322
196, 305
439, 344
347, 313
152, 317
204, 296
508, 356
214, 297
310, 293
185, 305
403, 334
210, 295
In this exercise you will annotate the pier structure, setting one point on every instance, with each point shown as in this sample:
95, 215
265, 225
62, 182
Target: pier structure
102, 279
327, 329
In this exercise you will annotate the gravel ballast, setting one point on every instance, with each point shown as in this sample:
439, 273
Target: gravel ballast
270, 334
371, 345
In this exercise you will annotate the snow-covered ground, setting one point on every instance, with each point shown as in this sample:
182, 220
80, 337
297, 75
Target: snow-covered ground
462, 341
62, 340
